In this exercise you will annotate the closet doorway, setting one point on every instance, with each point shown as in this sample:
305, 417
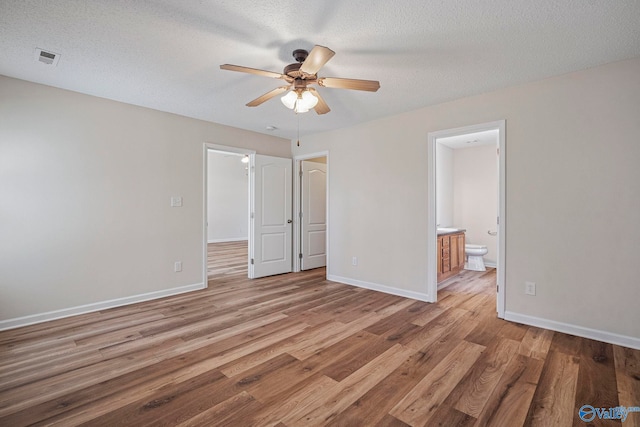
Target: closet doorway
311, 202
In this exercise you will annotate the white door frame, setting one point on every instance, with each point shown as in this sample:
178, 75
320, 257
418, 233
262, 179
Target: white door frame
297, 200
432, 280
224, 150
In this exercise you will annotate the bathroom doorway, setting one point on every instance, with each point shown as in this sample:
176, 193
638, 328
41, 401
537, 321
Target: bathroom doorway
466, 191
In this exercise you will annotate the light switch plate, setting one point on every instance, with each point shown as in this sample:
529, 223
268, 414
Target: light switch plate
176, 202
530, 288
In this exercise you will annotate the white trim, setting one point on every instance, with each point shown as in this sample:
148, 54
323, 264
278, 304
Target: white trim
231, 239
251, 203
205, 202
490, 264
380, 288
432, 280
432, 243
501, 262
97, 306
296, 207
580, 331
224, 149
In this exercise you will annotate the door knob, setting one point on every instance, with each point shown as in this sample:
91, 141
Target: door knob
289, 221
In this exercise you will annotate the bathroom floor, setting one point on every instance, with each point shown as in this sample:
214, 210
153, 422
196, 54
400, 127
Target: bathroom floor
470, 279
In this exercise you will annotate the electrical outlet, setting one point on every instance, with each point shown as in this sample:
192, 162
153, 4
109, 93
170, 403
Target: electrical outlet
530, 288
177, 266
354, 260
176, 202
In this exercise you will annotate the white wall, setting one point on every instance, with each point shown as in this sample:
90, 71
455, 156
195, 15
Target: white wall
572, 156
228, 198
475, 195
85, 188
444, 186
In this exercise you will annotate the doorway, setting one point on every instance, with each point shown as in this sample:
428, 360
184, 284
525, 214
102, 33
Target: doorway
311, 201
269, 216
442, 213
227, 211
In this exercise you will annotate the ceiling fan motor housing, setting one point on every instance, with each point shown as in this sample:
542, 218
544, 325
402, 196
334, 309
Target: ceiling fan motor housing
292, 70
300, 55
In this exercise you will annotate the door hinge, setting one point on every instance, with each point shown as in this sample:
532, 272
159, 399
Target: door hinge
252, 215
300, 256
497, 288
497, 220
251, 261
300, 174
300, 215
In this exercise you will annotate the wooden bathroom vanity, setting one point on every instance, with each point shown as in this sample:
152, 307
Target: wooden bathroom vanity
450, 252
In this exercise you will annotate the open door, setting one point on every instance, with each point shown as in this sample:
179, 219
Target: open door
313, 215
271, 224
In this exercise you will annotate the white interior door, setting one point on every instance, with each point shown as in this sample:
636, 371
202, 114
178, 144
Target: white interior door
271, 225
313, 215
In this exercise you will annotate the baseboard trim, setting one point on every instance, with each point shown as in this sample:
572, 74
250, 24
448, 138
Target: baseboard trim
232, 239
380, 288
490, 264
88, 308
594, 334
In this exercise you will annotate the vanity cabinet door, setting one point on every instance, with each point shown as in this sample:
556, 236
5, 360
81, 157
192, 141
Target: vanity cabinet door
461, 242
453, 251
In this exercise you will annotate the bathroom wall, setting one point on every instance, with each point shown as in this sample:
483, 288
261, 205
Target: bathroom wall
444, 186
227, 198
475, 195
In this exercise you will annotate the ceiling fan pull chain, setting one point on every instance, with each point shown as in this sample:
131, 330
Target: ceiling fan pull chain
298, 117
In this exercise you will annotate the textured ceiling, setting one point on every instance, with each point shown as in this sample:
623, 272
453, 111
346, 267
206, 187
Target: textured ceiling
165, 54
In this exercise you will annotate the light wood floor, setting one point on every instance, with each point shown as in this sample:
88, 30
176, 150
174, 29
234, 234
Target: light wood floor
228, 258
298, 350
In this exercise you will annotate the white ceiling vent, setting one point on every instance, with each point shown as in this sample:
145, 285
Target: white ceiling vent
46, 56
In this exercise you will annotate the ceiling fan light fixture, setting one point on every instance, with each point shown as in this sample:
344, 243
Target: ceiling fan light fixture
289, 100
300, 102
299, 108
308, 99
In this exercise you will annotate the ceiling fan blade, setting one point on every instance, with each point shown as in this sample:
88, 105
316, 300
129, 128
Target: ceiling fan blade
318, 56
354, 84
267, 96
321, 107
242, 69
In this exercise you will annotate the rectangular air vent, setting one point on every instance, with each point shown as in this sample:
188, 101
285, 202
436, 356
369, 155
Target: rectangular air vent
46, 56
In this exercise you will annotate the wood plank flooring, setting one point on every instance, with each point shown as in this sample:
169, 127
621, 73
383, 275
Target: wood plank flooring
297, 350
227, 258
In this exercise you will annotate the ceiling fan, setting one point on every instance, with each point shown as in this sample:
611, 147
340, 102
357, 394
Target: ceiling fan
300, 76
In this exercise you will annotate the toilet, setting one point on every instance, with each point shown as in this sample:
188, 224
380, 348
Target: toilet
474, 255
